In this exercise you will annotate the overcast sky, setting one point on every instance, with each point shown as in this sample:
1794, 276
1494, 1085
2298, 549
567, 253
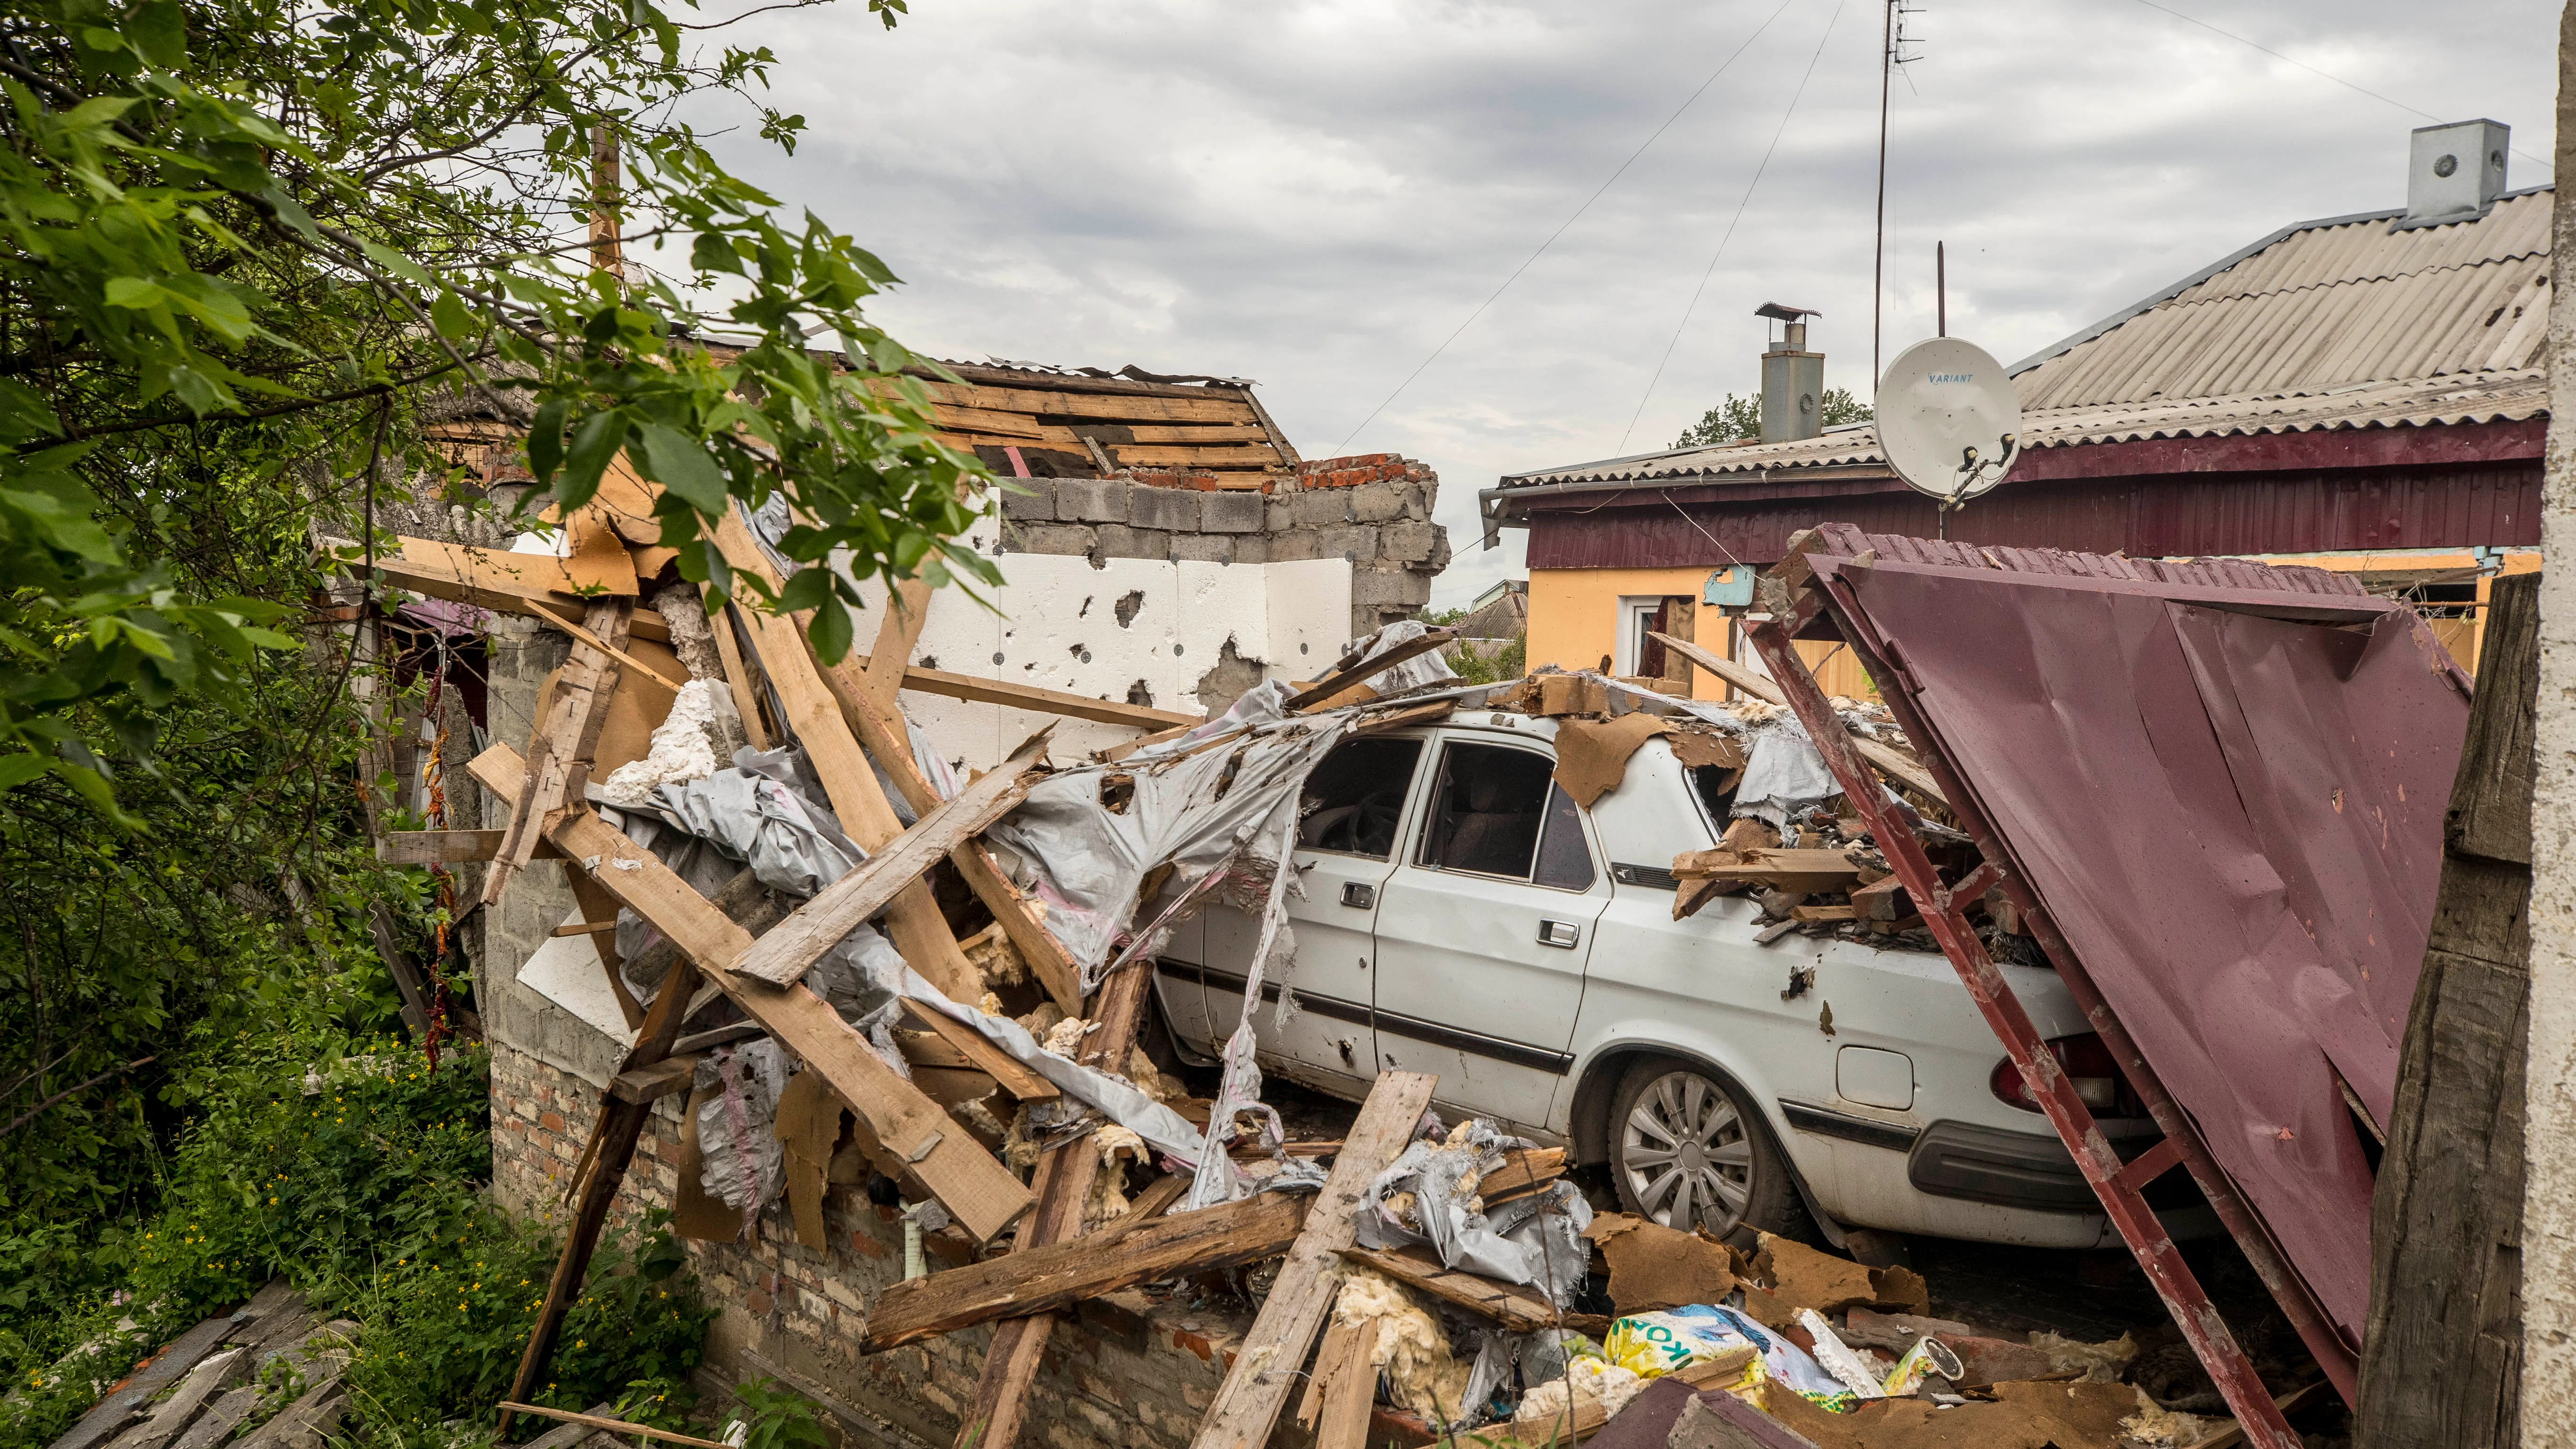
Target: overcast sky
1315, 195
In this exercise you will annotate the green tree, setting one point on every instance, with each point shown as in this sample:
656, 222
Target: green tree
1739, 418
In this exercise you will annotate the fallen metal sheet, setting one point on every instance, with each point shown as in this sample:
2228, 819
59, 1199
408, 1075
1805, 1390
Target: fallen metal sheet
2235, 820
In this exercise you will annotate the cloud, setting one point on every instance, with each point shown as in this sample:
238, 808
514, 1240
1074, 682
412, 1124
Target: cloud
1316, 194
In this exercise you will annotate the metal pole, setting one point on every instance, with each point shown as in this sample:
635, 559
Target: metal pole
1941, 289
1878, 259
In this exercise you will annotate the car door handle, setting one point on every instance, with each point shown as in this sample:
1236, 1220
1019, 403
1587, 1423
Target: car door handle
1561, 934
1361, 896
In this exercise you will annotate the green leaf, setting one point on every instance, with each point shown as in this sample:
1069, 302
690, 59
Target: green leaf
449, 316
713, 252
135, 292
594, 443
546, 441
158, 30
18, 769
682, 465
829, 629
807, 590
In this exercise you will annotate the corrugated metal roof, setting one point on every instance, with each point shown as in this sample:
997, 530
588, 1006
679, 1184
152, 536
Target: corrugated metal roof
2327, 304
2496, 396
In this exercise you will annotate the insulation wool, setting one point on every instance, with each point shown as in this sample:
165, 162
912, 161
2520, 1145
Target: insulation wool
2100, 1363
2160, 1427
684, 746
1422, 1375
691, 636
1117, 1147
1586, 1380
1065, 1037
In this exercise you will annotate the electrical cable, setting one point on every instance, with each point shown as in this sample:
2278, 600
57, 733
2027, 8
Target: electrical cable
2312, 70
1650, 140
1684, 324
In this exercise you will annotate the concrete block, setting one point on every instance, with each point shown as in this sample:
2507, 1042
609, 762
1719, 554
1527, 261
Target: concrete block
1428, 489
1322, 509
1281, 515
1250, 548
1298, 544
1091, 500
1117, 540
1382, 588
1379, 502
1203, 547
1038, 502
1230, 512
1357, 544
1439, 551
1408, 542
1171, 509
1054, 538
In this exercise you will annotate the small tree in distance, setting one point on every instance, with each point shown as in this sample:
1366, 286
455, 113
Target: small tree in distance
1740, 418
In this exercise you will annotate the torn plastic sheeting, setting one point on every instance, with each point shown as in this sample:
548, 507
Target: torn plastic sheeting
791, 843
742, 1111
1120, 1100
1414, 673
1784, 776
1518, 1242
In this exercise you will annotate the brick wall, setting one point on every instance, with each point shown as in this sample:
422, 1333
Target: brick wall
1373, 510
1130, 1370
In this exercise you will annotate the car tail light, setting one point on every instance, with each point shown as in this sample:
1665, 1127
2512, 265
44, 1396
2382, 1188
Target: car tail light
2096, 1078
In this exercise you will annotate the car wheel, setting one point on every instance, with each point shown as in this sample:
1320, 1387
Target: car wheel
1687, 1152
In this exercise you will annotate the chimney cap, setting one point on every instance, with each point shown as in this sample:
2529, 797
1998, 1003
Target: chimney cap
1784, 312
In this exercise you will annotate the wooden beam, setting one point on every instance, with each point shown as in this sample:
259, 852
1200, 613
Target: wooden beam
1514, 1307
790, 949
439, 847
913, 920
1267, 1365
890, 745
907, 612
651, 1084
976, 689
1367, 669
979, 1192
614, 1426
492, 579
1059, 1275
560, 750
1894, 763
738, 680
979, 1054
1064, 1179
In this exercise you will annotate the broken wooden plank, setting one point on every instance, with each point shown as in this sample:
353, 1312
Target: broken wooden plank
1805, 914
437, 847
1525, 1170
1515, 1308
161, 1370
907, 611
558, 763
497, 580
586, 928
1881, 900
1343, 1386
1015, 1076
1267, 1365
793, 946
1894, 763
1343, 678
1063, 1182
653, 1083
981, 1194
1054, 1276
1420, 714
913, 921
978, 690
738, 677
889, 743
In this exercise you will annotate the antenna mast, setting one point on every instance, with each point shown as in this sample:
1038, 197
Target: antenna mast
1892, 40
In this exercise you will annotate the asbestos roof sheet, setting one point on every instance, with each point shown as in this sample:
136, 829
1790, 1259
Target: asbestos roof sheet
2506, 395
2321, 305
2232, 810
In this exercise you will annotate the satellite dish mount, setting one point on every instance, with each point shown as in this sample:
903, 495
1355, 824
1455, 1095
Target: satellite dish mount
1948, 421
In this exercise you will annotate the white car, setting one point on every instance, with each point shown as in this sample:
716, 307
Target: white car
1461, 915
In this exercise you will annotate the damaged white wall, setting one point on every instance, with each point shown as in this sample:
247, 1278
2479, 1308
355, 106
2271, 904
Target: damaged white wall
1178, 635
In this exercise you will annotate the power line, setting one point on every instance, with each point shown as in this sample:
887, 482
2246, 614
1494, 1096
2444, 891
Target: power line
1684, 324
2312, 70
1569, 221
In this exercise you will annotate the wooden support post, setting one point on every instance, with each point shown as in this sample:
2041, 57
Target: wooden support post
1267, 1366
907, 611
919, 931
1063, 1182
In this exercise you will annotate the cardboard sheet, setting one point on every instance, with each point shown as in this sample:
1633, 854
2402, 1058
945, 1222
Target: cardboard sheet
1592, 755
1653, 1267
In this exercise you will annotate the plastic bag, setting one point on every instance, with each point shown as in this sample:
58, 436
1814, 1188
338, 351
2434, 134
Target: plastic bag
1651, 1345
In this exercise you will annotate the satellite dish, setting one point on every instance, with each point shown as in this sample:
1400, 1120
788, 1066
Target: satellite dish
1948, 419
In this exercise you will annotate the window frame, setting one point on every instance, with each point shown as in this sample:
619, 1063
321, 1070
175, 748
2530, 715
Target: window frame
1403, 808
1436, 785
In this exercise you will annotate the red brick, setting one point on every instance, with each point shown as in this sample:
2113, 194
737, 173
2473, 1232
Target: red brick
551, 1121
757, 1302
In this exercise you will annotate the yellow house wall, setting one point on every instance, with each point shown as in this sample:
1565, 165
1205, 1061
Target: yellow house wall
1574, 620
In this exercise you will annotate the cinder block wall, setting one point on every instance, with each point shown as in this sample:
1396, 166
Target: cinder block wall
1373, 510
1126, 1371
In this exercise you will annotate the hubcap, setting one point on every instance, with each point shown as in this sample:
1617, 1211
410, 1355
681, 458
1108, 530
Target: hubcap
1684, 1151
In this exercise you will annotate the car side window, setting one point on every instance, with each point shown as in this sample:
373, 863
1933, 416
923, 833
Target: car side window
1354, 800
1487, 813
1564, 858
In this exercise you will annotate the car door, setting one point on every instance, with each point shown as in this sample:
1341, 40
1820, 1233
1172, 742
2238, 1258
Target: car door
1484, 928
1355, 803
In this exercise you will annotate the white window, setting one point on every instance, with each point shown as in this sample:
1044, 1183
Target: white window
1638, 615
